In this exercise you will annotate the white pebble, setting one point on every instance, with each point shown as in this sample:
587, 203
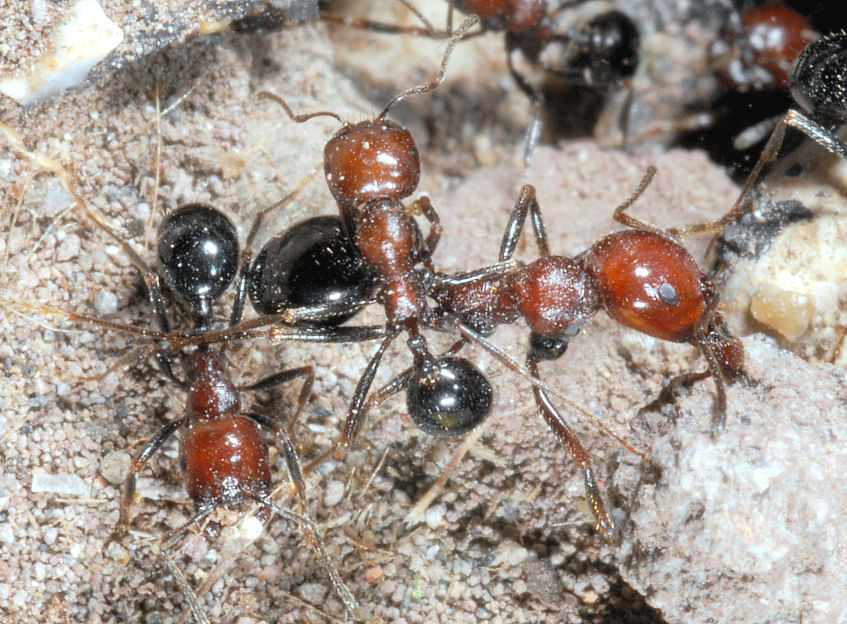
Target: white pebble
63, 484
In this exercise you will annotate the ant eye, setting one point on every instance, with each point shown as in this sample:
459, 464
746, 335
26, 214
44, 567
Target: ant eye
449, 401
198, 256
313, 263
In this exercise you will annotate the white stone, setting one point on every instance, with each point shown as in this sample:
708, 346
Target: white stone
85, 39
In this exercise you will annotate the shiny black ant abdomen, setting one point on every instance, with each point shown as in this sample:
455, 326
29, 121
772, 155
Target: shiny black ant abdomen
312, 264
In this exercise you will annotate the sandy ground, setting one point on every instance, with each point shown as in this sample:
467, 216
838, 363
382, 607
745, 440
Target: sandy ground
508, 540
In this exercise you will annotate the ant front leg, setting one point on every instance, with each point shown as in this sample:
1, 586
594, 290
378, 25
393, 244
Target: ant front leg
527, 203
291, 458
582, 460
153, 445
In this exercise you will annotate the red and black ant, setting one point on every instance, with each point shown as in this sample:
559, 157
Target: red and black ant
600, 52
370, 168
222, 449
642, 277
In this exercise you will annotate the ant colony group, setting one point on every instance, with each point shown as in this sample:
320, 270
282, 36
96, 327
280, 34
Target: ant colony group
310, 282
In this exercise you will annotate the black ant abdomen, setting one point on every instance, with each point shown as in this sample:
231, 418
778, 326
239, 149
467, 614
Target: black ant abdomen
818, 81
450, 400
198, 255
607, 49
313, 263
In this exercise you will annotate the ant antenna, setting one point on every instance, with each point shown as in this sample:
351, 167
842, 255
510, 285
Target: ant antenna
424, 88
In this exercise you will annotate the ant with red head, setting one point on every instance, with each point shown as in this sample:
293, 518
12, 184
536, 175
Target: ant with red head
751, 58
600, 52
370, 167
223, 453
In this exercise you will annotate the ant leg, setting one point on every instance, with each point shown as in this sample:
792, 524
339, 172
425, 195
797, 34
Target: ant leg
536, 99
307, 372
356, 412
669, 391
792, 119
138, 463
313, 539
526, 202
358, 406
423, 206
620, 212
582, 460
294, 470
166, 548
427, 30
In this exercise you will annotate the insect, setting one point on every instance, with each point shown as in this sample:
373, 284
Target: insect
642, 278
370, 168
600, 52
222, 447
751, 58
818, 86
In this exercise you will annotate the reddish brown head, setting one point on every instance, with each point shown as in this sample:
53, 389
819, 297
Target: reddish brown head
371, 160
225, 461
649, 282
508, 15
758, 49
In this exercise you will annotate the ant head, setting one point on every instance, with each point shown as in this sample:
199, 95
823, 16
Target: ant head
449, 398
371, 160
313, 263
524, 14
756, 47
818, 82
198, 256
609, 45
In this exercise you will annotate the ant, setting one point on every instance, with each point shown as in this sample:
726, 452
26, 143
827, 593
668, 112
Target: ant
751, 59
642, 277
818, 86
370, 167
599, 53
223, 454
